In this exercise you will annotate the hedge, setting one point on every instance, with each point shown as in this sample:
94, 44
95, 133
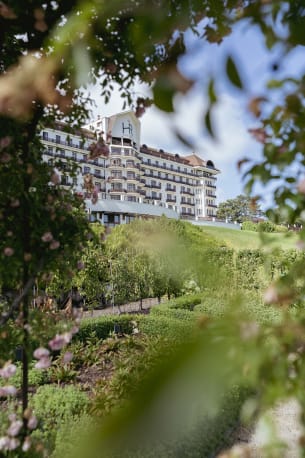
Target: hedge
101, 327
184, 302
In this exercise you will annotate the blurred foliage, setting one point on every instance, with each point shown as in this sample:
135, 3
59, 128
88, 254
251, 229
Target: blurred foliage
48, 51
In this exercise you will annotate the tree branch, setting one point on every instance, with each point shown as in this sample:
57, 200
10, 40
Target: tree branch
5, 316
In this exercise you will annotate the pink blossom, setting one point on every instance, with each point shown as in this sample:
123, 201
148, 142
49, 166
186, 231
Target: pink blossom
301, 186
271, 295
47, 237
15, 203
26, 444
300, 245
55, 178
4, 442
14, 428
67, 357
41, 353
5, 157
43, 363
13, 443
54, 245
32, 422
8, 390
60, 340
74, 330
8, 251
8, 370
5, 142
80, 265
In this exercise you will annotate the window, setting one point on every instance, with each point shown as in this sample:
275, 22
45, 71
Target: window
131, 187
116, 219
57, 138
86, 169
64, 180
50, 161
45, 135
97, 171
97, 185
74, 155
131, 198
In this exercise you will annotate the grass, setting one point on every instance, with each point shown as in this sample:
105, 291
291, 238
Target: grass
241, 240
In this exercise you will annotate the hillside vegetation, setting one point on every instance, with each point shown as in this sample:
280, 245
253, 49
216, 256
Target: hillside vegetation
240, 240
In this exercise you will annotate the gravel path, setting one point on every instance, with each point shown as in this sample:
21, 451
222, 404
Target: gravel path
287, 429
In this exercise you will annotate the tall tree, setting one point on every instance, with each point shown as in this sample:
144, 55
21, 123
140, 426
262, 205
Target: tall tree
239, 209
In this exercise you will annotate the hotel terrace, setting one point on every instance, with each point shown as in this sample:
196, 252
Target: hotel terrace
129, 179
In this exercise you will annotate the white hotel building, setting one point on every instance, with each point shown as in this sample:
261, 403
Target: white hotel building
131, 180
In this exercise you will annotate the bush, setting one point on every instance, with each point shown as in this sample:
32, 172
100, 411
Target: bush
249, 226
103, 326
184, 302
266, 226
163, 326
176, 313
54, 406
280, 228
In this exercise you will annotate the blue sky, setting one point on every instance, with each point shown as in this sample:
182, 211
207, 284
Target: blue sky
230, 116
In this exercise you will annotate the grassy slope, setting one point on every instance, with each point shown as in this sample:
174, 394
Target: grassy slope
241, 240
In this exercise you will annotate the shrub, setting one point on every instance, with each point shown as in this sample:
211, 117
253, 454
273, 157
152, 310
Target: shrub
164, 326
71, 433
103, 326
249, 226
53, 406
184, 302
280, 228
266, 226
176, 313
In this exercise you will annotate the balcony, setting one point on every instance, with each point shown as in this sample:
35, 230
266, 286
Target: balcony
171, 200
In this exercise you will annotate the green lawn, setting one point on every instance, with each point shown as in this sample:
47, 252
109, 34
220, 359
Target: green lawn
240, 240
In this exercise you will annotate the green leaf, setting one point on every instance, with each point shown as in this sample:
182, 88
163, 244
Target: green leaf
163, 93
233, 73
211, 92
208, 123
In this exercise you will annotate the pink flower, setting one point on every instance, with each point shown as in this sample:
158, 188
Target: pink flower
60, 341
80, 265
32, 422
14, 428
301, 186
5, 157
13, 443
8, 251
4, 443
26, 444
15, 203
41, 353
300, 245
271, 295
5, 142
54, 245
43, 363
8, 390
55, 178
47, 237
74, 330
8, 370
67, 357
